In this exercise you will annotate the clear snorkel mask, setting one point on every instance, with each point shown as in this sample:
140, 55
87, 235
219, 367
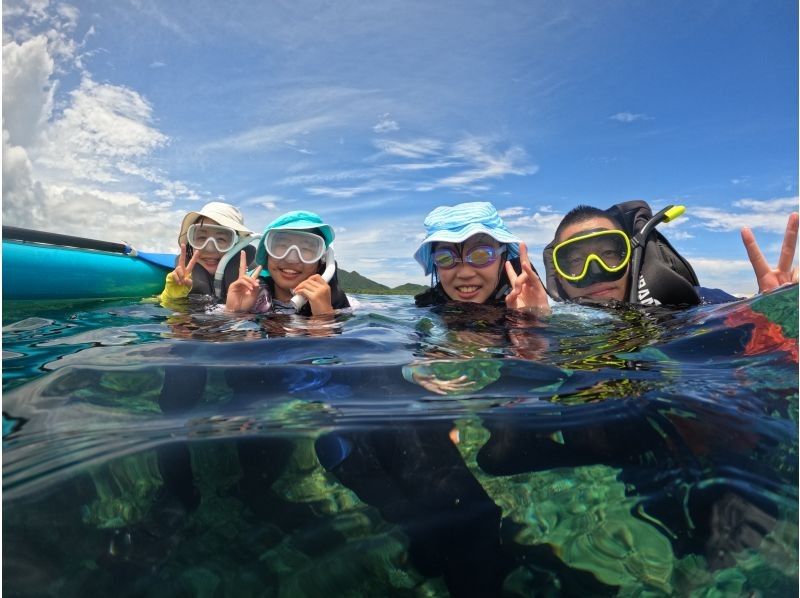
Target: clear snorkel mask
294, 245
200, 236
598, 255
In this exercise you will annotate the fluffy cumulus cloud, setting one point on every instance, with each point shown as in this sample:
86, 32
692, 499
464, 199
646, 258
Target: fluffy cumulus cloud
77, 161
535, 227
27, 90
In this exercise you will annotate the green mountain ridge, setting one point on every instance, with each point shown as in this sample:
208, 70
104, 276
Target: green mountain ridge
353, 282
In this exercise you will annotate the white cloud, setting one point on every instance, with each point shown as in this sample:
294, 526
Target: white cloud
629, 117
780, 205
734, 276
268, 202
411, 166
347, 192
76, 168
103, 126
535, 229
27, 90
765, 215
157, 64
323, 177
270, 136
417, 149
386, 125
485, 164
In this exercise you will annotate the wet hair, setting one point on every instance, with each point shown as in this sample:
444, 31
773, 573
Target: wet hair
583, 213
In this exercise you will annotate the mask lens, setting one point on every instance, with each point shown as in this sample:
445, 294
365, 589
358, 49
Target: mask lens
483, 256
307, 247
610, 249
445, 258
200, 236
477, 257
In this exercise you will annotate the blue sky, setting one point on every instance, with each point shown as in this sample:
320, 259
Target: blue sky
118, 117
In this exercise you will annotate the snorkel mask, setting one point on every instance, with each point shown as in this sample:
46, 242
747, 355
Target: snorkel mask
597, 255
289, 245
200, 236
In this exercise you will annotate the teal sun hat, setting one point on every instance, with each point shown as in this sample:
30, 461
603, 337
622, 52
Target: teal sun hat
298, 220
455, 224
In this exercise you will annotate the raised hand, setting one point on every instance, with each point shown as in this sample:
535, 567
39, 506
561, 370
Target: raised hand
767, 277
527, 290
318, 292
243, 292
182, 274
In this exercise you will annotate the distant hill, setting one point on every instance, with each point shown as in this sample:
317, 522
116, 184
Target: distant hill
353, 282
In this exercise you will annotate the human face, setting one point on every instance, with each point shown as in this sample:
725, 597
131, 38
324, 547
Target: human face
288, 273
465, 282
210, 256
599, 291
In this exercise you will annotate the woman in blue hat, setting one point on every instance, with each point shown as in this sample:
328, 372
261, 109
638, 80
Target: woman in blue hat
472, 257
292, 273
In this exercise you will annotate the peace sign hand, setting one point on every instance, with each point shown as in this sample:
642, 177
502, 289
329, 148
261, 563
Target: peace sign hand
767, 277
182, 274
527, 290
243, 292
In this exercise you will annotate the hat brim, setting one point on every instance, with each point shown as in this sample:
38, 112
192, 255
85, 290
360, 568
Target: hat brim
423, 253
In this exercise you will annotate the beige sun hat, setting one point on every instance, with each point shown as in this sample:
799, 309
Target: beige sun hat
223, 214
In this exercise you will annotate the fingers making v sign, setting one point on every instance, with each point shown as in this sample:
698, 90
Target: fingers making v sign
182, 274
527, 291
770, 278
243, 292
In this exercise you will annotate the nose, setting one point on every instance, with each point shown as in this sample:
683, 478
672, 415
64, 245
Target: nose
464, 270
293, 257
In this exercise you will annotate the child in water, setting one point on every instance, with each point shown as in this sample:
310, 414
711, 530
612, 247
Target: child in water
474, 258
205, 237
290, 262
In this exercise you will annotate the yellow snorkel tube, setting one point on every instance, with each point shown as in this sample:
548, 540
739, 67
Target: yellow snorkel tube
639, 240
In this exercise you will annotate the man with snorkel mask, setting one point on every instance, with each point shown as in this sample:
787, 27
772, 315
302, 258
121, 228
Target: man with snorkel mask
591, 256
596, 254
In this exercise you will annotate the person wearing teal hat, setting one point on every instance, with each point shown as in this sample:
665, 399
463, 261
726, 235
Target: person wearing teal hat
290, 262
473, 257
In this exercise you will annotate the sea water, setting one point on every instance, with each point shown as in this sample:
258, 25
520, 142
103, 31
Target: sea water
394, 450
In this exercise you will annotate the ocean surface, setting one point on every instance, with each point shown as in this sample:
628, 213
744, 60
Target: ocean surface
401, 451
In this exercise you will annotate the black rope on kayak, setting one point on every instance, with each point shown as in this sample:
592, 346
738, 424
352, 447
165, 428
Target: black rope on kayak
13, 233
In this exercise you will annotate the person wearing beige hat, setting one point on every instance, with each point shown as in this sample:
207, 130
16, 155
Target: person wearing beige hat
208, 238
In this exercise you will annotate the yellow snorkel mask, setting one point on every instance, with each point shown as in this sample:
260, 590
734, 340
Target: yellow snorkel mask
597, 255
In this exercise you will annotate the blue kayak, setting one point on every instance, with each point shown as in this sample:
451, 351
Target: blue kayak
41, 265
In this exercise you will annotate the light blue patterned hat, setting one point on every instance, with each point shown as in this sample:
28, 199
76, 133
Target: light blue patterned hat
454, 224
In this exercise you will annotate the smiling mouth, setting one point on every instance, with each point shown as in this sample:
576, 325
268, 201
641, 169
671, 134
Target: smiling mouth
468, 289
